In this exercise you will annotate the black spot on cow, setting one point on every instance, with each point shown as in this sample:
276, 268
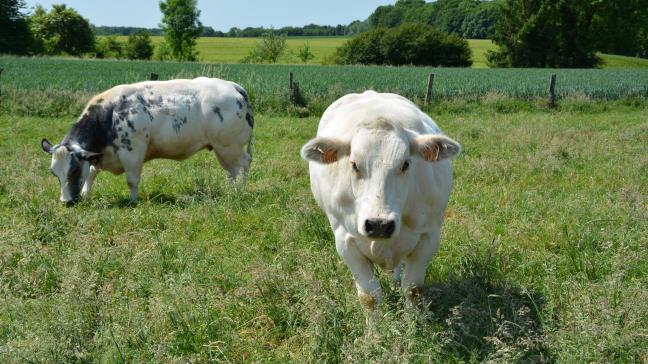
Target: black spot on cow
177, 124
95, 130
126, 142
218, 112
142, 101
130, 124
146, 110
243, 93
122, 115
239, 103
74, 178
250, 119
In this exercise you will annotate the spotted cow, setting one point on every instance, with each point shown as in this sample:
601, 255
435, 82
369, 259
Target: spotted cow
124, 127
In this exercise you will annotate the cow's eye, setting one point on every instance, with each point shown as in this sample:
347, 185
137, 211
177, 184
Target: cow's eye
405, 166
354, 166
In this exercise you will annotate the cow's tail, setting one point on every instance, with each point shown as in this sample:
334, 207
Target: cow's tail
250, 146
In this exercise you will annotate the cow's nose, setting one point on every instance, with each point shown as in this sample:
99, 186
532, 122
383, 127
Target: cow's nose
379, 228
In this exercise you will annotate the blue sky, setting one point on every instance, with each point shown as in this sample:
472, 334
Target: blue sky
222, 15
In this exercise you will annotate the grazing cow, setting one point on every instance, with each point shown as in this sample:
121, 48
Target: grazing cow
380, 170
124, 127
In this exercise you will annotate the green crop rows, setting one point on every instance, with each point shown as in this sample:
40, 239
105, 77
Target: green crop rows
328, 81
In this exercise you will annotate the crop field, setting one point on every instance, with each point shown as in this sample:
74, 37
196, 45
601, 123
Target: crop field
543, 257
37, 86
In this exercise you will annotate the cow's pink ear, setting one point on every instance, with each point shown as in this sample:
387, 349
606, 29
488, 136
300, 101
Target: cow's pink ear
324, 150
435, 147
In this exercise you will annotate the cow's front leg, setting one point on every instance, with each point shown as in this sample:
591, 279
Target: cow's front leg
132, 162
367, 285
87, 186
413, 275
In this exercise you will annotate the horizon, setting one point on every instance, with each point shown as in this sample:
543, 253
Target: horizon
256, 13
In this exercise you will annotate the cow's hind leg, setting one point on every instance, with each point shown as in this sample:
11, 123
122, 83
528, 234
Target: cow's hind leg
235, 161
87, 186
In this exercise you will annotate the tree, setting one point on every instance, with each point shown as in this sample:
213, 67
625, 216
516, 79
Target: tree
621, 26
139, 46
62, 30
305, 53
546, 33
411, 43
181, 28
108, 47
269, 49
15, 36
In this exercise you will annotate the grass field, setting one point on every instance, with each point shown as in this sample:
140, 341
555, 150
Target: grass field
543, 257
233, 50
41, 86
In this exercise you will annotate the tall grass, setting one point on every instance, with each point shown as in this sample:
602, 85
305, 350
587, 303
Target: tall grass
543, 255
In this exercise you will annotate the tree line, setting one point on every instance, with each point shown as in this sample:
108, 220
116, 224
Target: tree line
63, 31
528, 33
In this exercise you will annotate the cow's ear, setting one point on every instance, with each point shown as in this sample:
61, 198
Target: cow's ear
47, 146
91, 157
325, 150
435, 147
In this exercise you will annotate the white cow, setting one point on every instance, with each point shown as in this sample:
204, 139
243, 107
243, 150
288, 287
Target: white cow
124, 127
380, 170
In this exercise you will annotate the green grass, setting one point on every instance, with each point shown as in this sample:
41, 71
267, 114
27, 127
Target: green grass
479, 47
543, 255
615, 61
233, 50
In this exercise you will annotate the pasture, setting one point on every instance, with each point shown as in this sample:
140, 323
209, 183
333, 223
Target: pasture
543, 254
233, 50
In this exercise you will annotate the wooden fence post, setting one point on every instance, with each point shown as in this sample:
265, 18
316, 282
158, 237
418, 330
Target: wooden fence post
428, 92
552, 91
1, 69
154, 77
290, 82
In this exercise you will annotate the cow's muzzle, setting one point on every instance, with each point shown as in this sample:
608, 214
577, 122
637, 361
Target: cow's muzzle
379, 228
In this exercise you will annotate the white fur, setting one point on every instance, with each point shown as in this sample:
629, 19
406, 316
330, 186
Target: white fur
380, 132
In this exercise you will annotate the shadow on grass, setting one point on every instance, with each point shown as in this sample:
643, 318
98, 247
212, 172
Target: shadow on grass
487, 320
181, 199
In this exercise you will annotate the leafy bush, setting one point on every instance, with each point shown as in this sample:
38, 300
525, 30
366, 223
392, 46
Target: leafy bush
163, 52
269, 49
62, 30
305, 53
139, 46
413, 44
108, 47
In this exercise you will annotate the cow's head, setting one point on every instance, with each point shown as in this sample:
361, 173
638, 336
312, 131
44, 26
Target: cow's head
70, 164
381, 161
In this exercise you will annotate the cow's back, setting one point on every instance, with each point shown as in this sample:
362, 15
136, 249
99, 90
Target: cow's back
342, 117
